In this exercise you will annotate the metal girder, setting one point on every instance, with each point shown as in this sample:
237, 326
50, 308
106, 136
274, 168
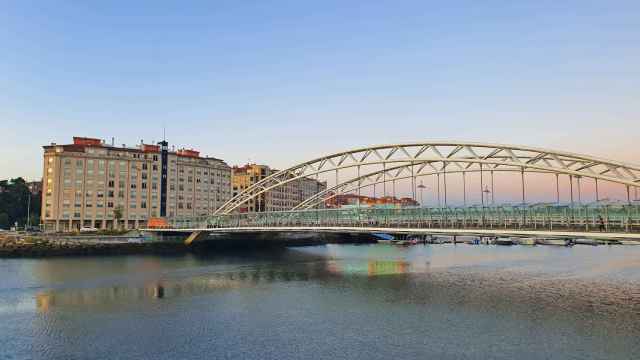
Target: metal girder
317, 199
492, 156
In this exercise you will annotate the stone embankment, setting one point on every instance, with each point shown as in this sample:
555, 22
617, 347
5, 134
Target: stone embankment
24, 245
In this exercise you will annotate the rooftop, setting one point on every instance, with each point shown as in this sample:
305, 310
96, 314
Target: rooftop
81, 143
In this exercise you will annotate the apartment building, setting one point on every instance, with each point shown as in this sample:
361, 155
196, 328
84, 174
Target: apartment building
281, 198
91, 184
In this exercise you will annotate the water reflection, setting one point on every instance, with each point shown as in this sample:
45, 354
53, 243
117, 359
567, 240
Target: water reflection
459, 274
554, 302
312, 270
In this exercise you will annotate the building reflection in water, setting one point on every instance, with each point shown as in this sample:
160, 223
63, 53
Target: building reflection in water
113, 296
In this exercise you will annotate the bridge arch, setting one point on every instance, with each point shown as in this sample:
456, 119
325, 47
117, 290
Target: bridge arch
438, 158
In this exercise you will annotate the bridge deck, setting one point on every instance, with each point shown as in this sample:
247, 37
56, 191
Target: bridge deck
417, 231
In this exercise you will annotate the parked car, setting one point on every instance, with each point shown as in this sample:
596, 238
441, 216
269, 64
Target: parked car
88, 230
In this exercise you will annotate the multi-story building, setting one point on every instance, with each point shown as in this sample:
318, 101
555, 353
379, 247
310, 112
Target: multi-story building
281, 198
91, 184
35, 187
342, 200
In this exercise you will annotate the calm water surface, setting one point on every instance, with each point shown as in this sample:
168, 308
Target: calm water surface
327, 302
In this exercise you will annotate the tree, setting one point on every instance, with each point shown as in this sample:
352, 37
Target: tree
4, 221
14, 198
117, 214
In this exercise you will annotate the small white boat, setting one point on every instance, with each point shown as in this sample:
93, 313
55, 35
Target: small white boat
587, 242
630, 242
553, 242
526, 241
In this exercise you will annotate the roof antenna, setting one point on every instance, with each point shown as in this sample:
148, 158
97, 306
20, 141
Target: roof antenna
164, 130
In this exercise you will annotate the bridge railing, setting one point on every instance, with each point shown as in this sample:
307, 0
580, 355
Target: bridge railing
609, 218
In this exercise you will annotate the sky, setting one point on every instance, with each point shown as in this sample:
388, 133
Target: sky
280, 82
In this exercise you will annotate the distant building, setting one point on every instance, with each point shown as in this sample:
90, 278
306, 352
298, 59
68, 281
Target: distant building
85, 182
354, 199
35, 187
281, 198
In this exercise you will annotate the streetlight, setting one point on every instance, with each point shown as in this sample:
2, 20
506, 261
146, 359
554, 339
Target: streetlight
486, 192
28, 209
421, 187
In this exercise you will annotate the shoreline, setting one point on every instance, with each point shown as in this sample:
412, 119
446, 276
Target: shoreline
16, 246
37, 246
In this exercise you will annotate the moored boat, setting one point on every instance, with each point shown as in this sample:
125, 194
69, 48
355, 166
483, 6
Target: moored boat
526, 241
630, 242
591, 242
503, 241
553, 242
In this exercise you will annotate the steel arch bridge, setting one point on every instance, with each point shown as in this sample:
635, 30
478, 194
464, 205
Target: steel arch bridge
380, 165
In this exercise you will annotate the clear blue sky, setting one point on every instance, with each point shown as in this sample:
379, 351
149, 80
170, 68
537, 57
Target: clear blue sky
278, 82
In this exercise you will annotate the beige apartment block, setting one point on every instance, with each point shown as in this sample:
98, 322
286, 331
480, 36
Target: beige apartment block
85, 182
279, 199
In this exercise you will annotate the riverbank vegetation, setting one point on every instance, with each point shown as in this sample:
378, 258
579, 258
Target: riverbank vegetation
15, 200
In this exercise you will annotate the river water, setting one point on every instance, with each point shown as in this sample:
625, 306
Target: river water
327, 302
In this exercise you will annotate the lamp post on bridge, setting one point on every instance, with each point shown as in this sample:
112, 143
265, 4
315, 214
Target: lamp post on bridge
421, 187
486, 192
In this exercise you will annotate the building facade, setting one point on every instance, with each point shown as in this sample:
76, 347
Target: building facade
91, 184
281, 198
35, 187
343, 200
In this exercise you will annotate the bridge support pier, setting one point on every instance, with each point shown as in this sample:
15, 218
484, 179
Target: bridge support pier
194, 235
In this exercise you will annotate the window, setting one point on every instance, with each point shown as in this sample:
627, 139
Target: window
111, 183
143, 205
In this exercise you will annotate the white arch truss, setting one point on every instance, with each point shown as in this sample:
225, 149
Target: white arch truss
429, 158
